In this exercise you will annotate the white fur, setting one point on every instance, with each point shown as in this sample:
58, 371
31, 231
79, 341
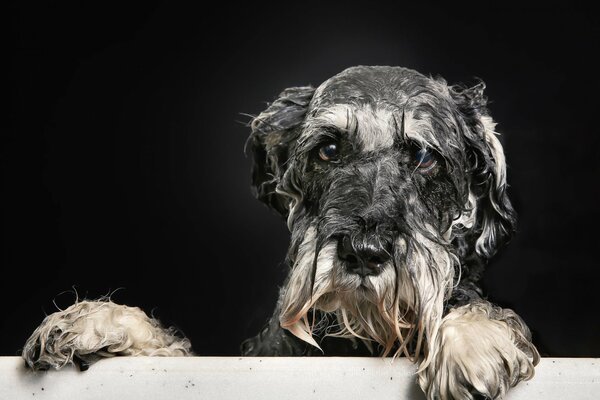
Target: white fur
376, 130
478, 347
488, 229
420, 130
496, 148
100, 328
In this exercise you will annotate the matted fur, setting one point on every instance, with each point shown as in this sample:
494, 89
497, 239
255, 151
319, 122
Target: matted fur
88, 330
479, 346
425, 229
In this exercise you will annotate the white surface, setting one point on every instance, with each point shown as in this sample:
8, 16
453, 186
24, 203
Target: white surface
269, 378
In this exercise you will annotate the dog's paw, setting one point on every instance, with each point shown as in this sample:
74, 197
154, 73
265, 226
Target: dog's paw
479, 353
90, 330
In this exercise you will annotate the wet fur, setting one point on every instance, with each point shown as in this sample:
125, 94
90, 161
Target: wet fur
439, 227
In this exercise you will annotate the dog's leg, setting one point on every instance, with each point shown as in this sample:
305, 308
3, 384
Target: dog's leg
90, 330
480, 350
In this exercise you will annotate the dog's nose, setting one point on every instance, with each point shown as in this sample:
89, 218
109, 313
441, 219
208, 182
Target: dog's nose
363, 257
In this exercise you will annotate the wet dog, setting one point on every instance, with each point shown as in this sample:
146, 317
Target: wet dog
393, 186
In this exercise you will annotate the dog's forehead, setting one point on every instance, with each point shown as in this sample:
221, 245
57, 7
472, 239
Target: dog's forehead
377, 83
373, 103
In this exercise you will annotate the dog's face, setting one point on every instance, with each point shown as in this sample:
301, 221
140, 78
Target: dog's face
391, 183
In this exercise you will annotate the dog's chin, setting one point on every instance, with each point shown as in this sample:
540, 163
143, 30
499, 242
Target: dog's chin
372, 308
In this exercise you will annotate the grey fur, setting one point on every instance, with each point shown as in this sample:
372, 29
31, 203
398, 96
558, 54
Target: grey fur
393, 185
441, 225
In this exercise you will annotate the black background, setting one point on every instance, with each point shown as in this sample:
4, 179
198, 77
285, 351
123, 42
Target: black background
123, 159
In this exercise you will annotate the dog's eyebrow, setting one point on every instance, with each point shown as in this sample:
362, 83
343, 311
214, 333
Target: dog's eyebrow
329, 122
318, 134
420, 130
325, 132
339, 116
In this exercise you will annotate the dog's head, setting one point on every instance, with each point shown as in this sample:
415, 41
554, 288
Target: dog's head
391, 182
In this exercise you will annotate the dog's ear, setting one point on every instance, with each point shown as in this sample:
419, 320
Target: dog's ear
495, 220
273, 137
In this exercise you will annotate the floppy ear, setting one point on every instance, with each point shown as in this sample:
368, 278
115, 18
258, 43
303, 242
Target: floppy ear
495, 220
273, 137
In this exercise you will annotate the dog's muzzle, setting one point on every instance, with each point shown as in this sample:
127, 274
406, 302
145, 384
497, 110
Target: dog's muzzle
365, 255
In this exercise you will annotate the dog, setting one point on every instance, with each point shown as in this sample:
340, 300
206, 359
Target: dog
393, 186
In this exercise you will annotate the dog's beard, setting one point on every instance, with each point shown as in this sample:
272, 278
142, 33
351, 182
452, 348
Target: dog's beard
396, 309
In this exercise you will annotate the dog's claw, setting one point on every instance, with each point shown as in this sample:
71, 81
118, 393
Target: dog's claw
81, 363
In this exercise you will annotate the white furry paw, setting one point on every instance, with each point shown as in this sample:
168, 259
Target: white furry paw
480, 351
90, 330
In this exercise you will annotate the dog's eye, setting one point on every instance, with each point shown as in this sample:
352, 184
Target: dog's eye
424, 158
329, 152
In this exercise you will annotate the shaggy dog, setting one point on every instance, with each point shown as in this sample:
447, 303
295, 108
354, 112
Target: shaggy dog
393, 185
